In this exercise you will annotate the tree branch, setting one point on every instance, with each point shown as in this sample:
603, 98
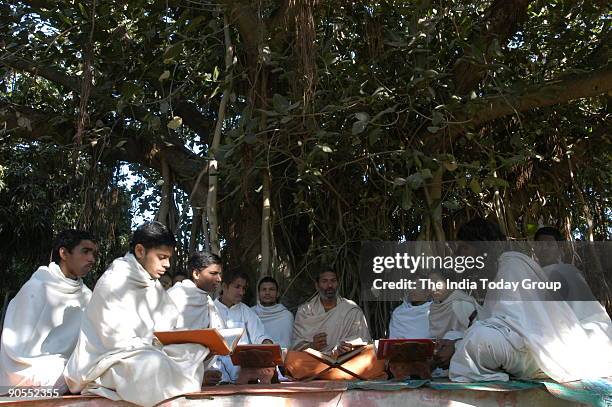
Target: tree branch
502, 19
139, 147
563, 90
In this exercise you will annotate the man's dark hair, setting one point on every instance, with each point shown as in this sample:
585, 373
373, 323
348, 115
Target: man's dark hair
549, 231
68, 239
229, 278
150, 235
479, 229
323, 270
267, 279
201, 260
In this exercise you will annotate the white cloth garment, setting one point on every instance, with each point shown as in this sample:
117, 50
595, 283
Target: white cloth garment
278, 323
345, 322
41, 329
410, 321
451, 315
549, 331
239, 316
116, 357
197, 310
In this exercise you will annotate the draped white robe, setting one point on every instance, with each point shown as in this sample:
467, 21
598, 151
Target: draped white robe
344, 322
450, 318
41, 329
196, 308
410, 321
521, 335
239, 316
277, 321
116, 356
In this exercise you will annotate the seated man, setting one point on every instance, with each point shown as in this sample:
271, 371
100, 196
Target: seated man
42, 322
116, 356
451, 311
411, 318
277, 320
193, 298
328, 323
575, 289
519, 334
236, 314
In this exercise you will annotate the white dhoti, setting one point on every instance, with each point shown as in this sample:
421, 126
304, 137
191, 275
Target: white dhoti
490, 353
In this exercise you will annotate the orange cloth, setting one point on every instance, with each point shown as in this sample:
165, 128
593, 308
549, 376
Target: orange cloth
301, 365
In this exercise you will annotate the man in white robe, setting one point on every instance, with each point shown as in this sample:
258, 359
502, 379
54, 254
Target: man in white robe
522, 335
328, 322
196, 307
277, 319
42, 322
236, 314
451, 311
410, 320
116, 356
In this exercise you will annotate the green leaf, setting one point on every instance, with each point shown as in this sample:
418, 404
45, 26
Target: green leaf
175, 123
280, 103
165, 75
475, 186
399, 181
215, 74
173, 51
362, 116
326, 149
415, 181
433, 129
358, 127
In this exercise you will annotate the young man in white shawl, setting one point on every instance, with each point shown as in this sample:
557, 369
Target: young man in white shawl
277, 319
42, 321
116, 355
194, 300
331, 324
236, 314
520, 333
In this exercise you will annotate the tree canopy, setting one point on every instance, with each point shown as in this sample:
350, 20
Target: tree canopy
286, 132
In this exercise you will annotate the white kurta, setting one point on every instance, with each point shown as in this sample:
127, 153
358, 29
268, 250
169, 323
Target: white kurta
239, 316
115, 356
278, 323
197, 310
41, 329
450, 318
410, 321
544, 334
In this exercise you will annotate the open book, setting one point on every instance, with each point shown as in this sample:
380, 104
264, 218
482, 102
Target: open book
404, 349
258, 356
218, 341
338, 360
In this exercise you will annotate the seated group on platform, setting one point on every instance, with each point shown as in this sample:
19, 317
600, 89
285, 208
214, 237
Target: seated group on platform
58, 333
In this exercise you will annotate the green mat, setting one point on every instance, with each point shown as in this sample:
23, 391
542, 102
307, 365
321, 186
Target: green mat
594, 392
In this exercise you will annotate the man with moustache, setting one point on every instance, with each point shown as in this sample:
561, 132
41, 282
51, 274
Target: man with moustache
277, 320
328, 322
42, 322
331, 324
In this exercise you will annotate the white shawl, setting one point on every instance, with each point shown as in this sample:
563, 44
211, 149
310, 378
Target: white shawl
410, 321
41, 328
278, 322
196, 308
558, 341
452, 314
116, 357
344, 322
